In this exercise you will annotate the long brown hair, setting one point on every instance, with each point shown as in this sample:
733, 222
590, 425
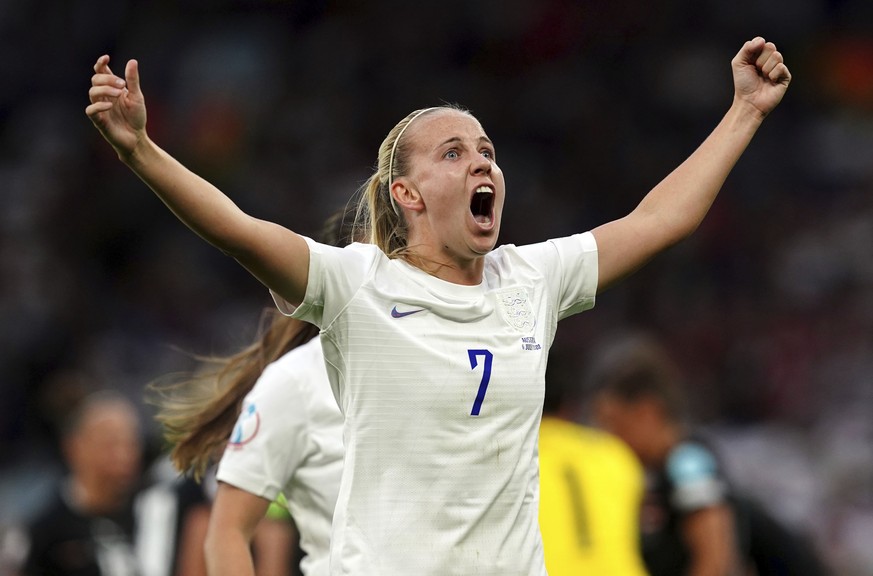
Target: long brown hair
198, 412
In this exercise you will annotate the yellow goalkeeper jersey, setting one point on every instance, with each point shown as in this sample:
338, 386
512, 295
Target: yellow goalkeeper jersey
591, 486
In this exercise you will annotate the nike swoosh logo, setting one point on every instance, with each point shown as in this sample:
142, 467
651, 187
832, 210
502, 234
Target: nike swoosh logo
397, 314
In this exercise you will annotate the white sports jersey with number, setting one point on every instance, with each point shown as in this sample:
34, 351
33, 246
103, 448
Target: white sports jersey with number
442, 389
288, 438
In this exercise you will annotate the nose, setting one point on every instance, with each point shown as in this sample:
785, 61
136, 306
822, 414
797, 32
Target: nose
480, 165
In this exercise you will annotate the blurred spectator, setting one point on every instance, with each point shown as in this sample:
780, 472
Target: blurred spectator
692, 521
173, 513
173, 516
88, 527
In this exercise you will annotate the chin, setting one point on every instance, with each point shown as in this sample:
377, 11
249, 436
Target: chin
483, 249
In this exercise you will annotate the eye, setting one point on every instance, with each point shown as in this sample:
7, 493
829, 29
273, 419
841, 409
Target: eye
488, 153
451, 154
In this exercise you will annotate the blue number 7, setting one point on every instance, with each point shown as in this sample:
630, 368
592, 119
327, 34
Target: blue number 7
486, 377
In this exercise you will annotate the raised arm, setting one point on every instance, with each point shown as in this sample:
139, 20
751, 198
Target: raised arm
278, 257
676, 206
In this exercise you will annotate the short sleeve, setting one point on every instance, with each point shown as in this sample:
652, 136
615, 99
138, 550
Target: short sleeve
268, 441
569, 266
334, 276
694, 473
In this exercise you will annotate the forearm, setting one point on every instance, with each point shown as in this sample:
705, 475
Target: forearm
709, 536
702, 566
678, 204
276, 256
197, 203
190, 557
274, 544
228, 554
235, 517
675, 207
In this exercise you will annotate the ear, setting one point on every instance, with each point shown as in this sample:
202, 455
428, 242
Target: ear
406, 195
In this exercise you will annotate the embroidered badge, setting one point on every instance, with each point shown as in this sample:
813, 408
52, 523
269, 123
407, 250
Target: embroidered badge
516, 309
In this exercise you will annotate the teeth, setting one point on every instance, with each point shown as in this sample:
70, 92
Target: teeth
484, 190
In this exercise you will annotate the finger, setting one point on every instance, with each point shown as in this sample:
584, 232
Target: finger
767, 51
772, 61
749, 52
753, 47
107, 80
97, 107
103, 93
102, 65
780, 74
131, 73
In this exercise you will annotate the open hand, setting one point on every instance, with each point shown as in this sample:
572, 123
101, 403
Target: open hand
760, 75
117, 106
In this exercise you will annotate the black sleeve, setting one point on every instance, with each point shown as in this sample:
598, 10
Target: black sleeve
774, 548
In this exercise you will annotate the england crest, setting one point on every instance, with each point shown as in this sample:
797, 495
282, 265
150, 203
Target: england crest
515, 306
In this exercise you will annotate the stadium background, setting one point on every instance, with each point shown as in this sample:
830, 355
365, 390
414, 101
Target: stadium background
768, 307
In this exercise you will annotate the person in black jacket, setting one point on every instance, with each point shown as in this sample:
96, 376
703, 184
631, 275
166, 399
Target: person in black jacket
693, 521
87, 527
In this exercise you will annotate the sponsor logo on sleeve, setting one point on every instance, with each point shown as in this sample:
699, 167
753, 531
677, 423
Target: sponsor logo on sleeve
247, 426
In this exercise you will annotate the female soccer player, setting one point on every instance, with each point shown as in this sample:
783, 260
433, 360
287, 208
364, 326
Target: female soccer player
271, 411
436, 341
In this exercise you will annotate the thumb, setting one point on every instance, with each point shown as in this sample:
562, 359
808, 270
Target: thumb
131, 76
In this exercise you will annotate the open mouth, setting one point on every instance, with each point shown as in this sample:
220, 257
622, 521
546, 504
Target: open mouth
482, 204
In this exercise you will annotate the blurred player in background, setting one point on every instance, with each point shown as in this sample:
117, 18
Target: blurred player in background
270, 413
693, 522
269, 409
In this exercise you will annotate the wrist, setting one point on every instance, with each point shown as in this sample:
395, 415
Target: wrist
743, 110
138, 154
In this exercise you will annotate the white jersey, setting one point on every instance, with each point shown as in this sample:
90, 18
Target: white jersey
288, 439
442, 389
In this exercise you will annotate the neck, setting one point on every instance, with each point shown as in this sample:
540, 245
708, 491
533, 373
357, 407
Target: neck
671, 436
467, 272
91, 500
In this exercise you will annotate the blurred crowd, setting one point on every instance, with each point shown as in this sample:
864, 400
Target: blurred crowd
768, 307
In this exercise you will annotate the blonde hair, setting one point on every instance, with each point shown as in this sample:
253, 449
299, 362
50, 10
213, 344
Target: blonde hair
375, 212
